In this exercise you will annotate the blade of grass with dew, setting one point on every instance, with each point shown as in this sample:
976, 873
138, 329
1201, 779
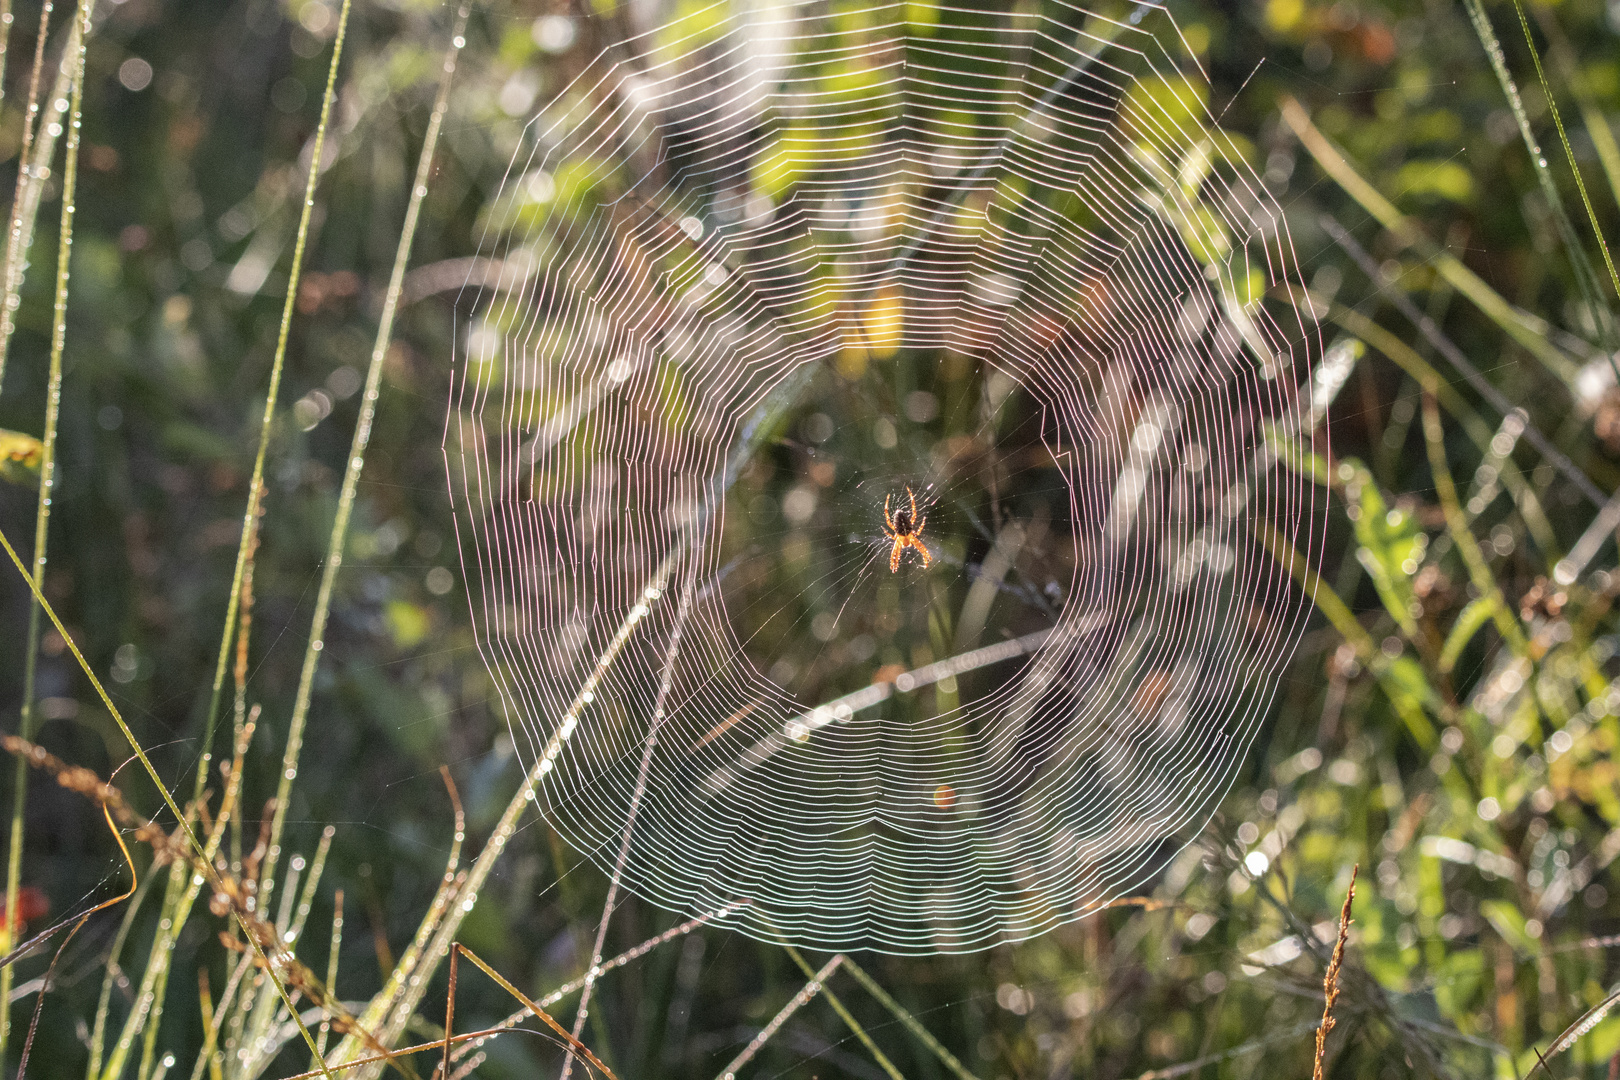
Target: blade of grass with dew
184, 885
47, 484
911, 1023
404, 974
1528, 330
361, 439
331, 976
98, 1033
37, 168
1597, 125
1586, 281
6, 19
289, 929
209, 1056
240, 578
185, 829
1574, 168
18, 239
846, 1016
817, 982
181, 895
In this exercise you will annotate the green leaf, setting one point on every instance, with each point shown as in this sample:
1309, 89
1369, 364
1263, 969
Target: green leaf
1508, 921
1458, 982
1392, 546
1292, 453
1475, 615
1446, 179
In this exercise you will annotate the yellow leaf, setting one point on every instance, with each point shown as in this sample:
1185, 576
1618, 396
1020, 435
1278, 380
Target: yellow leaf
407, 622
20, 457
1284, 15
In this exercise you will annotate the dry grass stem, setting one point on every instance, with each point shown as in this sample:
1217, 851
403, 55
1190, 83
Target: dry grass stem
1330, 981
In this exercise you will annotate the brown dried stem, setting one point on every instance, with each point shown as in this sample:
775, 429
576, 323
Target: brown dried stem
1330, 981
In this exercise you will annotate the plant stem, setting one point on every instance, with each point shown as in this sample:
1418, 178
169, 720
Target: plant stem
47, 484
19, 235
355, 461
1527, 329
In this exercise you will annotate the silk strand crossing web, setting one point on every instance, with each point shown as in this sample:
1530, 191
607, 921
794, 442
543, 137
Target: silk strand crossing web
765, 279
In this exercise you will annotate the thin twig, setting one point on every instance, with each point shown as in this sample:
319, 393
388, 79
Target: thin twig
449, 1016
608, 965
573, 1044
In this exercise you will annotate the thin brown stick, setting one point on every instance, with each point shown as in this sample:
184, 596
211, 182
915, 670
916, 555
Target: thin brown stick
404, 1051
574, 1045
1330, 981
618, 961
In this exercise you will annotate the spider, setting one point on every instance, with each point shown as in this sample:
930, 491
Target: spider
905, 527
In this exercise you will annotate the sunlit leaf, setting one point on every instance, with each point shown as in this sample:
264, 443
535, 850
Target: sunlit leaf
20, 457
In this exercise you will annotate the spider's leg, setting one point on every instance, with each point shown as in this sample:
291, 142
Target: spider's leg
917, 528
894, 555
888, 519
922, 549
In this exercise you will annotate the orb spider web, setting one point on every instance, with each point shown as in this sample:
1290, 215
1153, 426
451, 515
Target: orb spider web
762, 271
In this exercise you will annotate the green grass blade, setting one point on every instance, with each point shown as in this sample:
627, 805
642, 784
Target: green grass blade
47, 484
845, 1015
361, 439
1529, 330
911, 1024
20, 234
1597, 125
1569, 154
183, 889
1585, 275
98, 1033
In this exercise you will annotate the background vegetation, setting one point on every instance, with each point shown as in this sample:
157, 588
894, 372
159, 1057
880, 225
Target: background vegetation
1449, 724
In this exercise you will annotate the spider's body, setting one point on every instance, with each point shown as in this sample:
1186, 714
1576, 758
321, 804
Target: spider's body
904, 526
